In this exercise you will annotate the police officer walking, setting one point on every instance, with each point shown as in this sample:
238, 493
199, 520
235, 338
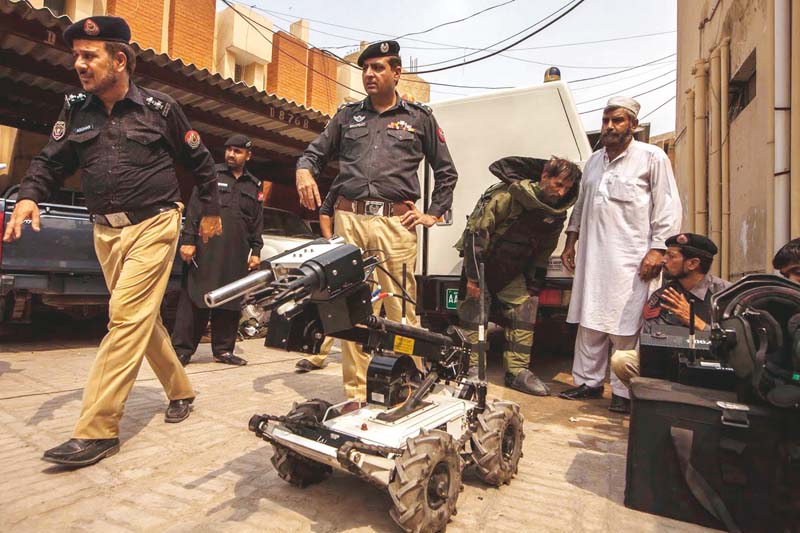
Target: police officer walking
220, 261
379, 143
514, 229
125, 139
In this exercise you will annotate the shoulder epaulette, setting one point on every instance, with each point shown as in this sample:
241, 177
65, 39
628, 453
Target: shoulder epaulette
346, 104
72, 99
159, 106
422, 106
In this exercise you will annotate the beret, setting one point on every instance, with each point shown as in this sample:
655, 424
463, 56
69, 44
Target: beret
239, 140
99, 28
379, 49
694, 244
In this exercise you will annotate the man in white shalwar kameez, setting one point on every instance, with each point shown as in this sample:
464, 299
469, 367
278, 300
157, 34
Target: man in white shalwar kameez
628, 206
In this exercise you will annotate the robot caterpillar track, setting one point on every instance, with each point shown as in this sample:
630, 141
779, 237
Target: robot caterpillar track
417, 431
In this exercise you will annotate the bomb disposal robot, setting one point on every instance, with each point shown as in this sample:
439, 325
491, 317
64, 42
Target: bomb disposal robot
416, 432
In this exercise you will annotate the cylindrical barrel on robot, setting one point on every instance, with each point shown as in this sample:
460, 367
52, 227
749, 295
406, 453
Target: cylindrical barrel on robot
241, 287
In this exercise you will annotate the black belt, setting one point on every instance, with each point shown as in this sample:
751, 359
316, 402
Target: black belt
129, 218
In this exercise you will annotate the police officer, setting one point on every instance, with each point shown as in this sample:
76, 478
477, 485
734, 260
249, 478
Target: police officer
686, 267
125, 140
514, 229
221, 261
379, 143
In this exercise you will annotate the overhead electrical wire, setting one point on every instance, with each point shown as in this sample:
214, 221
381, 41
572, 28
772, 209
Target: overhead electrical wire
671, 98
507, 47
634, 96
495, 52
624, 70
254, 24
448, 23
627, 89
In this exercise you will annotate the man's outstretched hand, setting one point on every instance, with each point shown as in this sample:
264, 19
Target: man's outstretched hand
24, 210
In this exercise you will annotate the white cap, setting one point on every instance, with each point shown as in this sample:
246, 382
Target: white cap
625, 102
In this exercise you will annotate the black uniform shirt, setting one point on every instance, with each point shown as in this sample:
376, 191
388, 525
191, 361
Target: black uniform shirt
244, 193
655, 314
126, 157
379, 154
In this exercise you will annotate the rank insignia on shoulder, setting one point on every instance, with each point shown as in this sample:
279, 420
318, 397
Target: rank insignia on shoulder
157, 105
72, 99
422, 106
192, 139
59, 128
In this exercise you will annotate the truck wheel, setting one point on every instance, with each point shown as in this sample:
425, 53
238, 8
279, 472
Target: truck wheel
292, 467
426, 482
497, 442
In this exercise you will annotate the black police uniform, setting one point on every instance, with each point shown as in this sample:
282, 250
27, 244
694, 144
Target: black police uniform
127, 158
218, 262
691, 245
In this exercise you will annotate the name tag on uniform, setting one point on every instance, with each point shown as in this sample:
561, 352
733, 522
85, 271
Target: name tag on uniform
83, 128
360, 125
222, 185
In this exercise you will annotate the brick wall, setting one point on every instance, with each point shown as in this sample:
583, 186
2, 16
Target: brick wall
321, 86
286, 76
191, 31
145, 18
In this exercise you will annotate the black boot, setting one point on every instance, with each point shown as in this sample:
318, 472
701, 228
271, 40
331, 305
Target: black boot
619, 405
527, 382
81, 452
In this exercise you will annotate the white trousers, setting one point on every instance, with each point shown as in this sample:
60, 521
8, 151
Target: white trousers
592, 352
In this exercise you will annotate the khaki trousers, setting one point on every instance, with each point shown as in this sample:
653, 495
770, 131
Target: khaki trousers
395, 245
318, 359
136, 262
625, 364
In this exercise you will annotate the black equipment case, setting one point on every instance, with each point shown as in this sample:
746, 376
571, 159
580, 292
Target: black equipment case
697, 455
665, 353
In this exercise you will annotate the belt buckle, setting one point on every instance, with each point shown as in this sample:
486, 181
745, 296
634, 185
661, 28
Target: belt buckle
372, 207
118, 220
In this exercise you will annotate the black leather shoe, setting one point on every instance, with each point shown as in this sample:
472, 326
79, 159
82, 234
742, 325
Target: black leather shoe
184, 359
230, 359
178, 410
304, 365
619, 405
582, 393
527, 382
81, 452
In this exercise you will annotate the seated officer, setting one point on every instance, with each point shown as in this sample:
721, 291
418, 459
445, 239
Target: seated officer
787, 260
686, 265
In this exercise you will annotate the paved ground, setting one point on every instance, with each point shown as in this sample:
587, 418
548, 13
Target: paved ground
209, 473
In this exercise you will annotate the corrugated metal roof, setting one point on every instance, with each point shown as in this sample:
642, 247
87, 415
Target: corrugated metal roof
215, 105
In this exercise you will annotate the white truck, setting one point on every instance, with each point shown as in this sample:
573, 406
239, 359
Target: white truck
537, 121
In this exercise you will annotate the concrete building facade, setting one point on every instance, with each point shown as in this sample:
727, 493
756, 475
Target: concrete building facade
737, 145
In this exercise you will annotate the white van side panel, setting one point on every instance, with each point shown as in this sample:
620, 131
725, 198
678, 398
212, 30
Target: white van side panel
537, 122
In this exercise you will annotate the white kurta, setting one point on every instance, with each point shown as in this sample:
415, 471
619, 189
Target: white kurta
625, 208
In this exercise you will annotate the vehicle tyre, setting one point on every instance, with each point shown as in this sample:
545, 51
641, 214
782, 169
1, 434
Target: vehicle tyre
497, 442
292, 467
426, 482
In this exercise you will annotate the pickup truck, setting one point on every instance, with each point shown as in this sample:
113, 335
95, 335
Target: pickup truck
57, 267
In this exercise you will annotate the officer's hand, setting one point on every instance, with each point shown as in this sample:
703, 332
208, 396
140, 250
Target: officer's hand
253, 263
651, 265
414, 217
568, 258
473, 291
24, 210
677, 303
210, 227
187, 252
307, 189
